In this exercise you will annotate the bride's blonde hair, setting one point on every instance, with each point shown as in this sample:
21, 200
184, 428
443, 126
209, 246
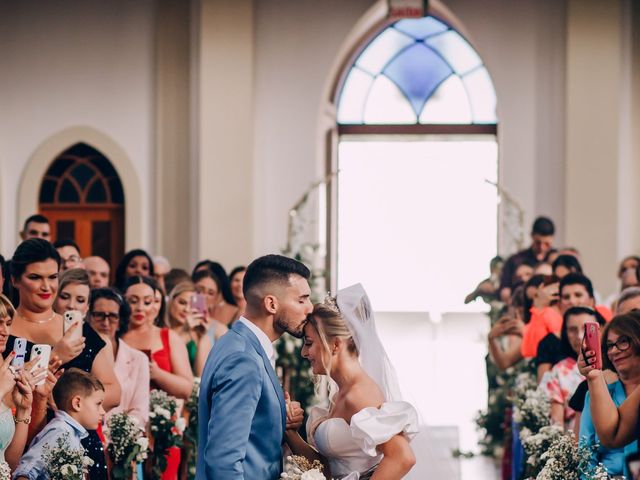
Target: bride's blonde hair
329, 324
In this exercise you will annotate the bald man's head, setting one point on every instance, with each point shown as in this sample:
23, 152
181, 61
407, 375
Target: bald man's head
98, 270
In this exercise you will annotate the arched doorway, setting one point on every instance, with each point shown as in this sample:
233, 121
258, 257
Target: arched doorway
82, 195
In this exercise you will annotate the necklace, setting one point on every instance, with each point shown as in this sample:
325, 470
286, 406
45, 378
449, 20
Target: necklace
36, 321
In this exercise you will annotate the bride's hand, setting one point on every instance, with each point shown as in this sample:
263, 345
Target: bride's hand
295, 413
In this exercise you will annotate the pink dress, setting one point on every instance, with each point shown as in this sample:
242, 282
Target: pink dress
560, 384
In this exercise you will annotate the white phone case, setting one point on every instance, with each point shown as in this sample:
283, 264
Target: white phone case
20, 347
70, 318
41, 351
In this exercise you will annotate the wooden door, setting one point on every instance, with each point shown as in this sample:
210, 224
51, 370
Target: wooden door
82, 196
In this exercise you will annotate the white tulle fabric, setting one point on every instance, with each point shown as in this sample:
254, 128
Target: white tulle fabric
350, 448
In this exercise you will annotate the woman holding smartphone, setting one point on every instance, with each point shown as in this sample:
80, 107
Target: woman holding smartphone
34, 274
187, 317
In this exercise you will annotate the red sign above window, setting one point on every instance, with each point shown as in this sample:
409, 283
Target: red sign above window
408, 8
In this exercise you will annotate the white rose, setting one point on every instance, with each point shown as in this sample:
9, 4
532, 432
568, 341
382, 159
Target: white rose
181, 424
143, 442
313, 474
87, 462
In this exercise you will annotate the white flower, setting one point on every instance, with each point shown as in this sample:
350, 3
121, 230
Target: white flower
163, 412
181, 424
86, 462
143, 442
69, 469
313, 474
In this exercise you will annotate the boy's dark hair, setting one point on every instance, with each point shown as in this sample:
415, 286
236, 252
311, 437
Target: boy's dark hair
66, 242
271, 268
543, 226
564, 337
37, 218
32, 251
74, 382
575, 278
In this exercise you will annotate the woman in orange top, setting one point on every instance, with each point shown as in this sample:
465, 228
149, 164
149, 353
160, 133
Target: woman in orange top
545, 314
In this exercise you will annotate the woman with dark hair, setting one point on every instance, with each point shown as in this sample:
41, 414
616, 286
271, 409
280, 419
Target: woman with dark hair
135, 262
169, 368
34, 274
159, 310
610, 417
543, 315
563, 379
506, 353
109, 315
565, 264
226, 310
235, 278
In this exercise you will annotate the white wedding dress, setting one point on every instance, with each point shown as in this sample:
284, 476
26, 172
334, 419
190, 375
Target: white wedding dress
351, 448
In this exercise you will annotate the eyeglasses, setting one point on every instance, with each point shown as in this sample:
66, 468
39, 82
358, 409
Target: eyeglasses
101, 316
622, 344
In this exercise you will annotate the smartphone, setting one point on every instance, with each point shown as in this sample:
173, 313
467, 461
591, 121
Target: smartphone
20, 349
42, 352
199, 303
633, 464
69, 318
592, 341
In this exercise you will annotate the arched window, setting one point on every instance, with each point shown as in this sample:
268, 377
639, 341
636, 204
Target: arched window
82, 195
416, 214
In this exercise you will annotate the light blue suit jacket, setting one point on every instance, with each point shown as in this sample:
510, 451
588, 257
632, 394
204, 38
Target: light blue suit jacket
241, 411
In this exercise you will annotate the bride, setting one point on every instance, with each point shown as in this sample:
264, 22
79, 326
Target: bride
365, 432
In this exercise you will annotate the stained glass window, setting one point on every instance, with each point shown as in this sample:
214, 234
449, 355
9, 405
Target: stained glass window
417, 71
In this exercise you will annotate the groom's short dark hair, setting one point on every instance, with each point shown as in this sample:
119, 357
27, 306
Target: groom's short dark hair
270, 269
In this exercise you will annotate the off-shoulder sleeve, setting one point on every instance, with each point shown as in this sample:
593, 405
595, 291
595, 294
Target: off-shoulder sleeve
371, 426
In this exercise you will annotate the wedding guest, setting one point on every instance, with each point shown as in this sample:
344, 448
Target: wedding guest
226, 310
15, 393
576, 290
544, 317
208, 284
69, 254
505, 337
235, 278
79, 397
561, 382
134, 263
34, 273
543, 268
161, 267
98, 270
189, 324
523, 273
566, 264
159, 309
73, 292
174, 277
629, 301
36, 226
169, 362
609, 420
542, 233
109, 315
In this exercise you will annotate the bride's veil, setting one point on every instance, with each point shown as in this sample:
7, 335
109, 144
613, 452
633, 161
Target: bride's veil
356, 310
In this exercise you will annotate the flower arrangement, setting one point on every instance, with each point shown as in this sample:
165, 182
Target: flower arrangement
531, 410
165, 427
63, 462
191, 432
536, 445
564, 460
127, 444
299, 468
5, 471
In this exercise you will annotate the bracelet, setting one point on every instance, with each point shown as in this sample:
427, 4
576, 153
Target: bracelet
26, 420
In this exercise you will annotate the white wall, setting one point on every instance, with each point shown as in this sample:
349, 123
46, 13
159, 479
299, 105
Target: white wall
86, 63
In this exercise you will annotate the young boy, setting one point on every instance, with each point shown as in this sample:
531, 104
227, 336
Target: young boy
78, 396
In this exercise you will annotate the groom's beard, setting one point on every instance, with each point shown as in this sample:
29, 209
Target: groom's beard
284, 326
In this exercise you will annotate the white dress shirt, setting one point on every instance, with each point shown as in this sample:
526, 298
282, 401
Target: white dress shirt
265, 342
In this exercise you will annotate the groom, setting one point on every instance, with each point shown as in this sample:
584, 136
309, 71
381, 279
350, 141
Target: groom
242, 407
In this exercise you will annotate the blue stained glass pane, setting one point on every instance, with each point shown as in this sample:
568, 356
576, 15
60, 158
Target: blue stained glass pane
417, 72
456, 50
382, 49
421, 28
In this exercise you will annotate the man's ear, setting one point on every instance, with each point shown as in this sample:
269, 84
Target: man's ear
23, 235
271, 304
